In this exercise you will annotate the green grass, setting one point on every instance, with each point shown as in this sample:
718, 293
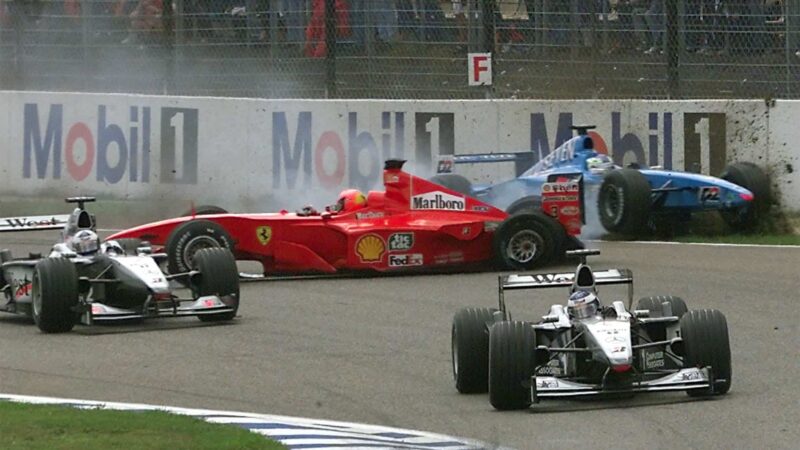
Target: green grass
26, 426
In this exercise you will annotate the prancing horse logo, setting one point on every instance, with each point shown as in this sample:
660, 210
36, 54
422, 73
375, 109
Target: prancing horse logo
264, 234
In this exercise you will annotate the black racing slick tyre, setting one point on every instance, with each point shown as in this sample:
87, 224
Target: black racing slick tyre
454, 182
623, 203
655, 305
186, 239
470, 349
55, 295
526, 241
752, 178
706, 343
218, 276
204, 210
511, 364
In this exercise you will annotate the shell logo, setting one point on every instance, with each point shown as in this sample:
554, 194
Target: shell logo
370, 248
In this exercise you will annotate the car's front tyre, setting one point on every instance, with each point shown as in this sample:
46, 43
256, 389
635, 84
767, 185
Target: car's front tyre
190, 237
706, 343
511, 364
218, 276
55, 295
470, 349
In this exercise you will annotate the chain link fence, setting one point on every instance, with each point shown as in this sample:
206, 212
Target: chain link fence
404, 48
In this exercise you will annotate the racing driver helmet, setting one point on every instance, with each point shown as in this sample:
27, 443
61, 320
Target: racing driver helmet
599, 164
350, 200
85, 242
583, 304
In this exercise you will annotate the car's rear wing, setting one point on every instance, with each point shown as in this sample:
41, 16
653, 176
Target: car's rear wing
554, 280
522, 160
32, 223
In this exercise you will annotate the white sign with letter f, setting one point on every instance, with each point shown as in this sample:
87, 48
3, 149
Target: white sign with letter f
480, 69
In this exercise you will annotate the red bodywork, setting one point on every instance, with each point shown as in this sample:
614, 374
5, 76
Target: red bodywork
413, 224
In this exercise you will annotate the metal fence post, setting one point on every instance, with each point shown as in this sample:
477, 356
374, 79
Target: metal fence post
330, 45
673, 48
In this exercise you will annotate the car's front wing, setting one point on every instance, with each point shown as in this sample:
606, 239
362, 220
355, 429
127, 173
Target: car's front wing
206, 305
682, 380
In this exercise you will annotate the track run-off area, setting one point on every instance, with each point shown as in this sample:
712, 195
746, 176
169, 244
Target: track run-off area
377, 351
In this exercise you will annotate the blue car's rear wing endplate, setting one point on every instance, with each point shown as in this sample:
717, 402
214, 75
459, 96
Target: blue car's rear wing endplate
554, 280
522, 160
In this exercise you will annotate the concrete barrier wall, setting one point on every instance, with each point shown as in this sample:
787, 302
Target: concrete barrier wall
248, 154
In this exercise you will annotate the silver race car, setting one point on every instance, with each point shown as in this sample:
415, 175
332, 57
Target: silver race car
83, 281
585, 348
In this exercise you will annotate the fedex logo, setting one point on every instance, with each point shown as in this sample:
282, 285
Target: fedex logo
107, 150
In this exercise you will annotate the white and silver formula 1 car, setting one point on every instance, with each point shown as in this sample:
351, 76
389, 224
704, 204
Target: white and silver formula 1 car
82, 281
584, 348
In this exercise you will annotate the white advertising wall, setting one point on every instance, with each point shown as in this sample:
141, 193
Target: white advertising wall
248, 154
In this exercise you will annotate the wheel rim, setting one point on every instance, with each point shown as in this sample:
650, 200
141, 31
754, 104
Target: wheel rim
523, 247
37, 296
195, 245
612, 203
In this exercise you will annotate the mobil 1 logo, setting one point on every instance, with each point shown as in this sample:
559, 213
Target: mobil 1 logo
435, 136
704, 142
401, 241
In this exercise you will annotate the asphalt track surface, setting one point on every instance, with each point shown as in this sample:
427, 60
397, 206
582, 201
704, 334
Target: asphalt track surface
377, 350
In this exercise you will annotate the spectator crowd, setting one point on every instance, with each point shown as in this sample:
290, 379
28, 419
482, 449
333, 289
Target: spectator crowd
635, 25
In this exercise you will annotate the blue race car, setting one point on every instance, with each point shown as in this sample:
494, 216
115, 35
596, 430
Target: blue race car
630, 201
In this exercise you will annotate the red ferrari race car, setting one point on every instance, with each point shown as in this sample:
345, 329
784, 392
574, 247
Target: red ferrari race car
414, 224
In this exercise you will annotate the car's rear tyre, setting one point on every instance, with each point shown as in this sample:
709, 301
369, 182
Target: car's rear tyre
454, 182
218, 276
752, 178
525, 241
204, 210
511, 364
706, 343
624, 202
186, 239
470, 349
55, 295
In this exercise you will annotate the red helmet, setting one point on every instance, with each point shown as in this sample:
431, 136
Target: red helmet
350, 200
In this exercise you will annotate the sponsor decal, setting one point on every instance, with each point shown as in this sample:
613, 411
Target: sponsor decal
618, 349
691, 376
370, 248
708, 194
13, 223
452, 257
491, 226
570, 210
480, 208
264, 234
406, 260
401, 241
466, 230
390, 178
445, 164
370, 215
22, 288
113, 148
438, 200
552, 368
654, 360
547, 384
314, 148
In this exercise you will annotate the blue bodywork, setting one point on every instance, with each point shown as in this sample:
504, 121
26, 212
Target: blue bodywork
672, 192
